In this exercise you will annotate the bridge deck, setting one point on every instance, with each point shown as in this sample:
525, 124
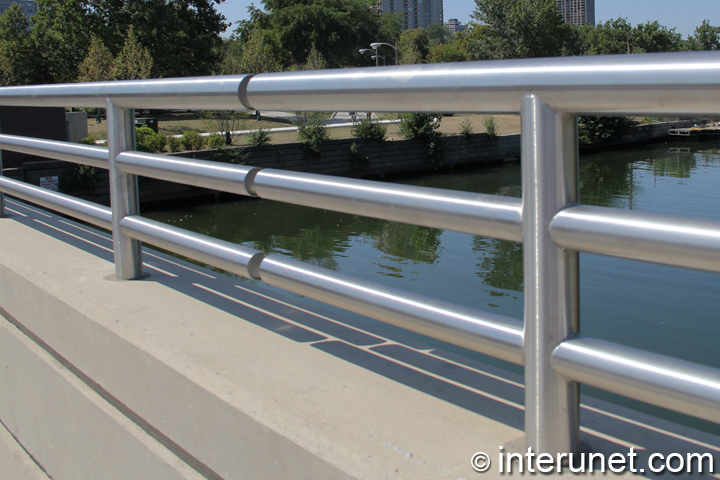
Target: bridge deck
211, 376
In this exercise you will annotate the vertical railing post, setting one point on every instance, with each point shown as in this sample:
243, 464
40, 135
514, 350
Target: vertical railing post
2, 195
123, 192
550, 183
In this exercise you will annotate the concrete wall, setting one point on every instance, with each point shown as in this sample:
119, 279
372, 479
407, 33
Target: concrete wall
387, 158
77, 127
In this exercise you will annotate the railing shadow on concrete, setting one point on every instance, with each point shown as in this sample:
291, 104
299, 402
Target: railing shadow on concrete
548, 93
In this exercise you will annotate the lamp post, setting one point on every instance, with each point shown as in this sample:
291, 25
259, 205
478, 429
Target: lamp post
381, 56
377, 44
374, 56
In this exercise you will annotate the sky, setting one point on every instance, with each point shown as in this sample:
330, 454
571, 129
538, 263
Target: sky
683, 16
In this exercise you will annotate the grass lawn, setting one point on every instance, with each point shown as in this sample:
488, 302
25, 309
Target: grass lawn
178, 123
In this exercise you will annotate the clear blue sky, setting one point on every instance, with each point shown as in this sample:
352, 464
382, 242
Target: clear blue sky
683, 15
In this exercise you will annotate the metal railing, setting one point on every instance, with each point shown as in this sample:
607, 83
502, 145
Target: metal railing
548, 94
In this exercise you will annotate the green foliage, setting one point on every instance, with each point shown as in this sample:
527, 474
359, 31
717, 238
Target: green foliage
77, 177
18, 62
146, 140
358, 161
437, 34
191, 140
619, 36
89, 140
413, 46
258, 138
215, 141
598, 130
257, 56
134, 61
424, 127
98, 63
451, 51
519, 29
174, 144
312, 133
181, 36
315, 60
705, 37
337, 28
466, 129
369, 130
491, 126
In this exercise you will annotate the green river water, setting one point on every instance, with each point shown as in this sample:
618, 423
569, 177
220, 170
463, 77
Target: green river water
662, 309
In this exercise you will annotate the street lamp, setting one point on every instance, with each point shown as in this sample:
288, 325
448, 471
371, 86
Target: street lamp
374, 56
377, 44
381, 56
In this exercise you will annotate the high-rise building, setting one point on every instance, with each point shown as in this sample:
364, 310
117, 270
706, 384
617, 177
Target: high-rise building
28, 7
454, 26
577, 12
417, 13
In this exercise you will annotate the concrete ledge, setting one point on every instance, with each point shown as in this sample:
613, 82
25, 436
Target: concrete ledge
228, 397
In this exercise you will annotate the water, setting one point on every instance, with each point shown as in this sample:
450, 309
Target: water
661, 309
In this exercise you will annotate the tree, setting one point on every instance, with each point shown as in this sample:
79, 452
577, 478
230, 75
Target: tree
705, 37
653, 37
134, 61
519, 29
413, 46
437, 34
338, 28
448, 52
98, 64
60, 31
607, 38
315, 60
17, 55
257, 57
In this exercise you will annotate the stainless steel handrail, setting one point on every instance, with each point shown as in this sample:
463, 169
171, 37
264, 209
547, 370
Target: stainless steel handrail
675, 240
547, 93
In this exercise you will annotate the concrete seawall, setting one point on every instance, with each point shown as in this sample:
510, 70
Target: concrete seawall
377, 160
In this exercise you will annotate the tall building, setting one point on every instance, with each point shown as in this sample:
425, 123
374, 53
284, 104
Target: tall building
418, 13
577, 12
28, 7
454, 26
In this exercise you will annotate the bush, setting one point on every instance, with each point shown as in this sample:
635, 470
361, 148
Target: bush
312, 133
89, 140
174, 144
216, 141
146, 140
358, 161
369, 130
258, 138
419, 125
77, 177
597, 130
423, 127
466, 129
491, 126
191, 140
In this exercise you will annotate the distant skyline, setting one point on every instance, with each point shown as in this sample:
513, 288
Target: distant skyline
684, 19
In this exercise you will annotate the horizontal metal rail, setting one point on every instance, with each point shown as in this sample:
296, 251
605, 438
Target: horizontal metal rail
483, 332
86, 211
224, 92
69, 152
489, 215
656, 379
228, 256
675, 240
649, 84
200, 173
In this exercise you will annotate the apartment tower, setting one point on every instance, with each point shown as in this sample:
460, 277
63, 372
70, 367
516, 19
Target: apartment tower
417, 13
28, 7
577, 12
